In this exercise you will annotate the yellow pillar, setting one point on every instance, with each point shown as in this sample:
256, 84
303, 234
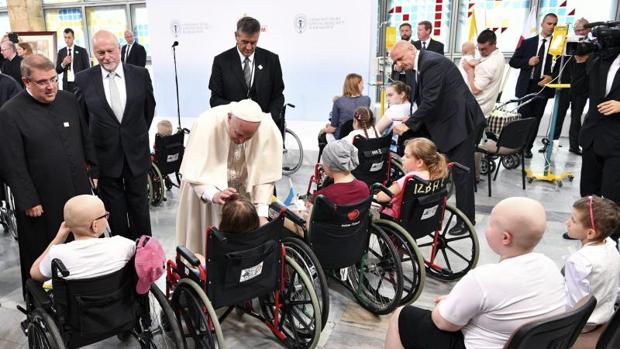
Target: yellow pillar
26, 15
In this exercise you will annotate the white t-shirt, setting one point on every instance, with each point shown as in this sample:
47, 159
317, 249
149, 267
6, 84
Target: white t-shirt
399, 112
371, 134
493, 300
488, 79
90, 258
594, 269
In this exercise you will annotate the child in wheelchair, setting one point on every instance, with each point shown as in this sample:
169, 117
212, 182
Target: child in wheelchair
422, 160
363, 121
595, 268
398, 111
338, 160
164, 128
87, 256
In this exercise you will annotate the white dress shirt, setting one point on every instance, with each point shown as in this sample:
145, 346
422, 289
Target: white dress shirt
613, 69
120, 84
544, 60
127, 49
424, 43
251, 58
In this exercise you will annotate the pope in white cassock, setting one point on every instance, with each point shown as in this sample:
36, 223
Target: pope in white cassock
233, 149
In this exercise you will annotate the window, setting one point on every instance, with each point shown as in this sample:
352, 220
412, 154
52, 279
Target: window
112, 18
505, 18
140, 28
438, 12
568, 11
59, 19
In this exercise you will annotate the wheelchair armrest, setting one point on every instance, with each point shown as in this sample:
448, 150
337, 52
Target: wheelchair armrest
188, 255
288, 213
40, 298
492, 136
378, 187
58, 266
459, 166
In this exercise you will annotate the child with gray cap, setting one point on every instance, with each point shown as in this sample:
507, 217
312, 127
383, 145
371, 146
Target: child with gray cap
338, 160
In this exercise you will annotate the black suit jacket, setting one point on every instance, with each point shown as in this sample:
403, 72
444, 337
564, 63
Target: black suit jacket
80, 62
433, 45
117, 142
527, 50
12, 69
227, 83
137, 55
446, 108
599, 131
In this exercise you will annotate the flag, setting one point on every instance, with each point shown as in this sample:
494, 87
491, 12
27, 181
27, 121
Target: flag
292, 195
473, 29
529, 27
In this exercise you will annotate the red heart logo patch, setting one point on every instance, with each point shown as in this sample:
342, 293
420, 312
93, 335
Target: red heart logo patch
353, 215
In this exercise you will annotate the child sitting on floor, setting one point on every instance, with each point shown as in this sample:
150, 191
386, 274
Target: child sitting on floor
595, 268
87, 256
421, 159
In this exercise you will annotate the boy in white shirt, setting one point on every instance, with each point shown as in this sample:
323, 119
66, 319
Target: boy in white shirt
595, 268
489, 303
87, 256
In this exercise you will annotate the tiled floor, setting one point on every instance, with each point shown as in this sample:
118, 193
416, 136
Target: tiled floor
349, 326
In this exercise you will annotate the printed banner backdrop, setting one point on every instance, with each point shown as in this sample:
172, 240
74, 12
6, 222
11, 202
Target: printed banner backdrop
319, 42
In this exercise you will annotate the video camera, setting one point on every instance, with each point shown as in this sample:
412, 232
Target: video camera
605, 36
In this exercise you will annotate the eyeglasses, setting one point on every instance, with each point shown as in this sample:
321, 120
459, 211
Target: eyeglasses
106, 215
45, 83
592, 214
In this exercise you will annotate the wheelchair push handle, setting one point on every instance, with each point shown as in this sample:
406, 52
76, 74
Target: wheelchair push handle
378, 187
290, 105
58, 266
459, 166
188, 255
288, 213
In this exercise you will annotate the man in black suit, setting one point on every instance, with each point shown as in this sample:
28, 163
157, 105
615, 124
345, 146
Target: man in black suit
119, 106
447, 112
600, 133
248, 71
425, 42
12, 61
133, 53
71, 60
533, 59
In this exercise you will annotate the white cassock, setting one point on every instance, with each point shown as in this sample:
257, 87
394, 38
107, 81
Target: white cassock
212, 160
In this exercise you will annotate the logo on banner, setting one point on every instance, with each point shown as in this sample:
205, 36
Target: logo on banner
300, 23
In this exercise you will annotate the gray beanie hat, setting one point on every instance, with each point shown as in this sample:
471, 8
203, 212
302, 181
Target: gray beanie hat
340, 156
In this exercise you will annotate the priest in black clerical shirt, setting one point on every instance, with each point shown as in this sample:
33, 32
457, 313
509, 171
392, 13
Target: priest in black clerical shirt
11, 63
46, 141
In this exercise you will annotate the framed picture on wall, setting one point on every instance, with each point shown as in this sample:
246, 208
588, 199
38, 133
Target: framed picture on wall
41, 42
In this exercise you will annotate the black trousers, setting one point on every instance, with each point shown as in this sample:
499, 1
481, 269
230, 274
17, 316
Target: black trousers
464, 181
126, 199
534, 109
600, 175
577, 104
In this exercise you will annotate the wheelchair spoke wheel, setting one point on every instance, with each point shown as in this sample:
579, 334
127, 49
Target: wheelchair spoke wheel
307, 260
156, 186
161, 329
8, 213
450, 257
292, 154
411, 260
199, 324
396, 169
299, 317
43, 332
377, 280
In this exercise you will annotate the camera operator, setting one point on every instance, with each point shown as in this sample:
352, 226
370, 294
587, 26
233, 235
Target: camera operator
600, 133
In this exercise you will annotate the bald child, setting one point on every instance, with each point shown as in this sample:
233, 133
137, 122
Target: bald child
489, 303
87, 256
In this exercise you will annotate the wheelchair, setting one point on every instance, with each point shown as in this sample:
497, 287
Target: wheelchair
352, 250
252, 273
7, 211
164, 162
422, 226
77, 313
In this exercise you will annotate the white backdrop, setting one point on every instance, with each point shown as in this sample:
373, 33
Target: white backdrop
318, 42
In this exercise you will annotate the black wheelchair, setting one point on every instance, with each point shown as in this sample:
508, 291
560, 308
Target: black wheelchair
7, 210
77, 313
352, 250
248, 272
165, 161
421, 227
